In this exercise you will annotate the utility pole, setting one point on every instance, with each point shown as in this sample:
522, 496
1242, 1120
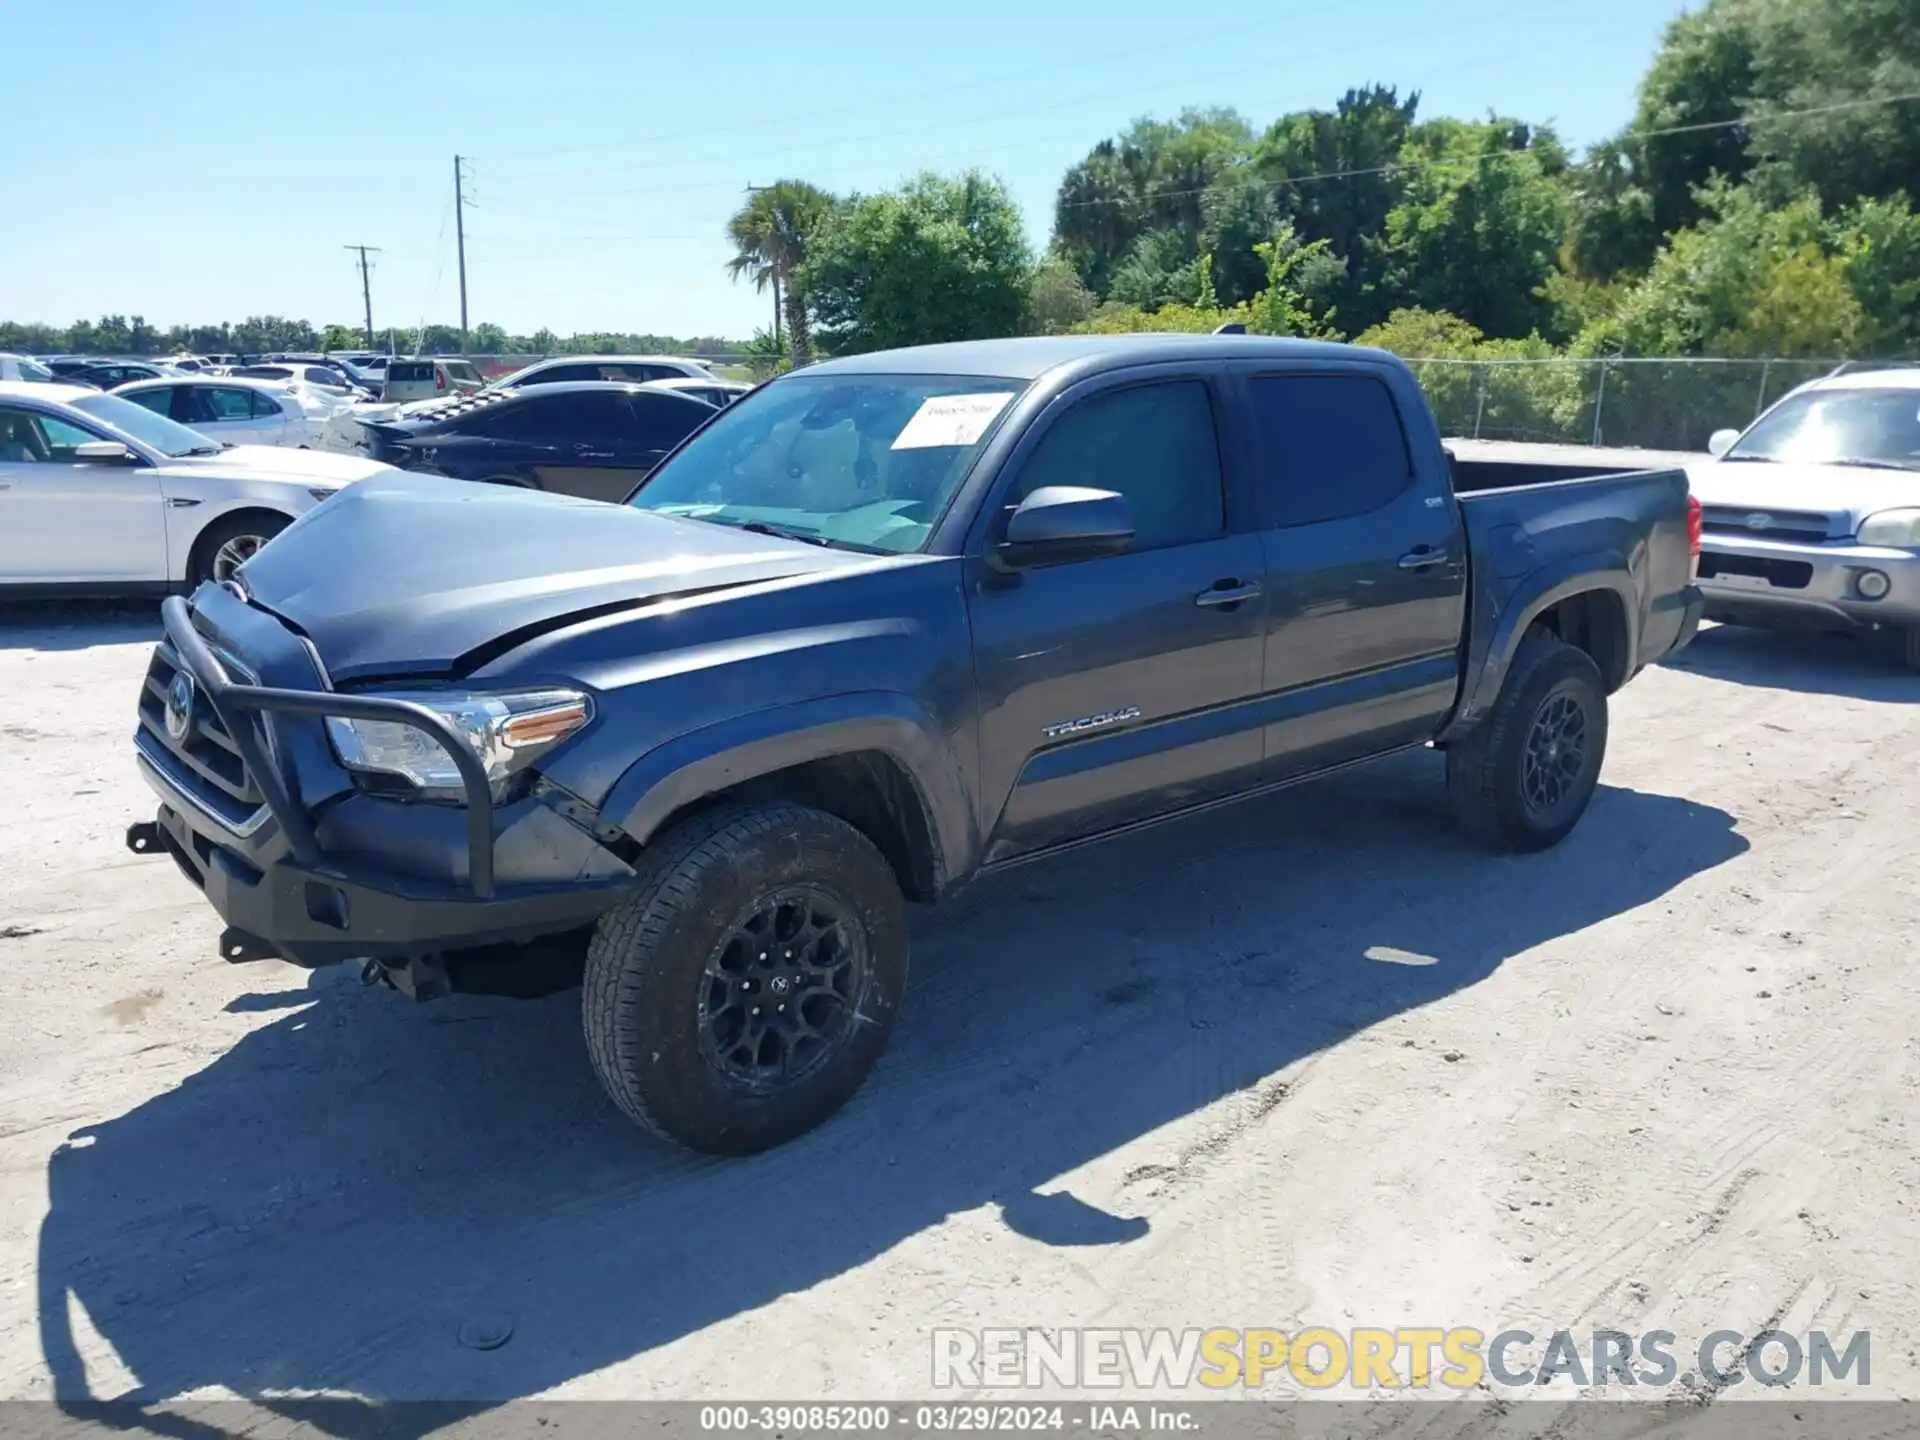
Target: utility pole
460, 239
755, 190
366, 287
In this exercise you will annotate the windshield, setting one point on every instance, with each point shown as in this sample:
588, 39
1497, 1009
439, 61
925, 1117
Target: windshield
862, 462
145, 426
1838, 427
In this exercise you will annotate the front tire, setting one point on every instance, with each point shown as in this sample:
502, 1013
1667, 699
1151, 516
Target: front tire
743, 992
1524, 776
228, 544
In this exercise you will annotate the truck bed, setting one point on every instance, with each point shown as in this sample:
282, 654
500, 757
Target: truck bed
1483, 465
1534, 509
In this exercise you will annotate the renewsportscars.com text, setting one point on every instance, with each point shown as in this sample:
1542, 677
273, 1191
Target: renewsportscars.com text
1403, 1357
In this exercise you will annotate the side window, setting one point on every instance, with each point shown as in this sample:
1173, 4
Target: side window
665, 420
160, 401
563, 372
27, 437
498, 422
1154, 444
265, 406
191, 405
22, 440
1332, 446
62, 437
598, 417
224, 404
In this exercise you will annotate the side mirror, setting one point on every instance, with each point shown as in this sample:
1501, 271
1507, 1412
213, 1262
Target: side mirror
1057, 523
104, 452
1721, 441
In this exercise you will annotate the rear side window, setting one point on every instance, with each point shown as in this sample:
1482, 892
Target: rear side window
228, 404
1154, 444
666, 420
595, 415
159, 401
1331, 446
264, 405
563, 372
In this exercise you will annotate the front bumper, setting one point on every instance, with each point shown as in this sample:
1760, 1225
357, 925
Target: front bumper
360, 875
1774, 580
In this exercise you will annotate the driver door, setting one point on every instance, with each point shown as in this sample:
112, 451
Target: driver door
69, 521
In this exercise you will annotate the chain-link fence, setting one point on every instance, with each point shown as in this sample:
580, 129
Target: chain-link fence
1655, 404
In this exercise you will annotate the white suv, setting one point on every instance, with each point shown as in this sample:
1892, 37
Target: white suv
1811, 516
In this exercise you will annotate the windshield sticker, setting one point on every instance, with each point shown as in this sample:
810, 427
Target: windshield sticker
950, 420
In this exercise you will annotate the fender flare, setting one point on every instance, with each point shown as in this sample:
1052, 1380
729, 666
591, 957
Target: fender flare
1504, 622
744, 747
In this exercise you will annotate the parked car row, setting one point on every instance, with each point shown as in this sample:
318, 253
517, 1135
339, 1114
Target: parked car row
101, 493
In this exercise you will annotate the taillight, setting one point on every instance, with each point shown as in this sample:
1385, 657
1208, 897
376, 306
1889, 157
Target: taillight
439, 379
1694, 524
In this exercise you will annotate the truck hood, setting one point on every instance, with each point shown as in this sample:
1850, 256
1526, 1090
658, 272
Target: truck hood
1845, 494
277, 463
405, 575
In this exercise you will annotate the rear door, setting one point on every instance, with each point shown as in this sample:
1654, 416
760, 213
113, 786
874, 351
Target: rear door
587, 442
1365, 566
1117, 689
661, 422
226, 413
65, 521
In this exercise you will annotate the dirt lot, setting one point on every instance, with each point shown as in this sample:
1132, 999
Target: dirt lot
1317, 1061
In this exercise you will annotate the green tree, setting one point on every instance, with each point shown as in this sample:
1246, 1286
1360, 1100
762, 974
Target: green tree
1477, 229
1153, 177
1747, 281
1335, 176
1880, 241
1057, 300
488, 339
941, 258
1838, 58
770, 236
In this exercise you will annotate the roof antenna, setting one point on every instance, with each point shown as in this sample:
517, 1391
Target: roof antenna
1232, 327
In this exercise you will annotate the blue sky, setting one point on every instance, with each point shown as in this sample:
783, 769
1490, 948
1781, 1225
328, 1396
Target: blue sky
209, 161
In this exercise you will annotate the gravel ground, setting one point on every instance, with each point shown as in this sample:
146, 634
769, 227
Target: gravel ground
1315, 1061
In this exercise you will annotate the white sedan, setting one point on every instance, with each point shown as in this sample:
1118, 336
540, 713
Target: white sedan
236, 412
98, 494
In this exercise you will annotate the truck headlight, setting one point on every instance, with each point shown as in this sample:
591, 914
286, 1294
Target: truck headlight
1898, 529
508, 731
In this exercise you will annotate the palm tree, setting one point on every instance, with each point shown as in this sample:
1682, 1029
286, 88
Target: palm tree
769, 234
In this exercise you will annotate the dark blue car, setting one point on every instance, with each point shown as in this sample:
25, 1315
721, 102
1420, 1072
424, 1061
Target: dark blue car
594, 439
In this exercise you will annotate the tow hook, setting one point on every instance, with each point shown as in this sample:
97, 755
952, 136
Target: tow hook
424, 977
238, 947
144, 838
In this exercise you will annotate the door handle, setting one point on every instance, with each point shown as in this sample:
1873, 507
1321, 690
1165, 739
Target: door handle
1422, 557
1225, 593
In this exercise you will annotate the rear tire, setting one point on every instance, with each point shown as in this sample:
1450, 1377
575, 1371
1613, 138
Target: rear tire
1524, 776
1910, 648
743, 992
227, 544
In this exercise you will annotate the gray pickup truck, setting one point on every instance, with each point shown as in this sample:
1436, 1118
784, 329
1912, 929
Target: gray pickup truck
879, 627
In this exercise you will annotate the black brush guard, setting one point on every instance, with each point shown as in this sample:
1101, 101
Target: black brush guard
273, 911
